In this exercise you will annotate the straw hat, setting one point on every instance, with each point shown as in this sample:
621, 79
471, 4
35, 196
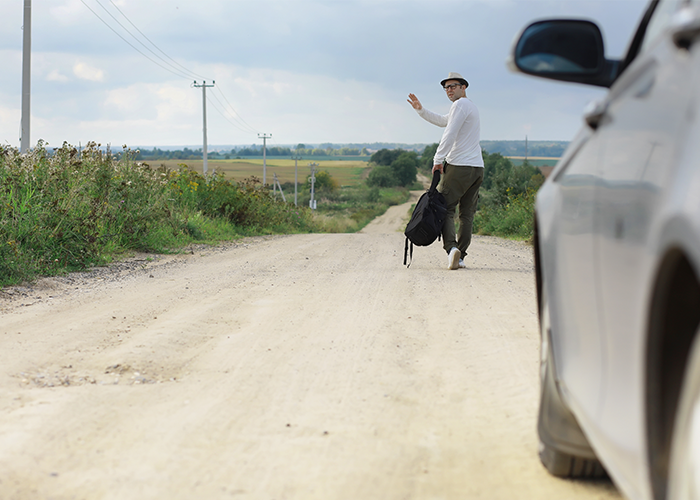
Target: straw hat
455, 76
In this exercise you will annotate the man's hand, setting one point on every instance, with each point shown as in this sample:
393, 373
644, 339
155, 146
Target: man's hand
437, 167
413, 101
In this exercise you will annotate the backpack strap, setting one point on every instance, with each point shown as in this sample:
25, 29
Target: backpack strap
405, 253
436, 181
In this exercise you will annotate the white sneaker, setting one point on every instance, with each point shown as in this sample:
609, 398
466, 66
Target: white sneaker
453, 258
462, 265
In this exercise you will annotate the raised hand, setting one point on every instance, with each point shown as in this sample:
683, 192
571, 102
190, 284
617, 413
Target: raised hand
413, 101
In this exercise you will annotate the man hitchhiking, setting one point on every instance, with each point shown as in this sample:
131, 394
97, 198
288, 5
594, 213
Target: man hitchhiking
459, 158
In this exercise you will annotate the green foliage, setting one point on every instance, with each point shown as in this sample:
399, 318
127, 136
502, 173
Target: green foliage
502, 180
393, 168
513, 220
507, 197
324, 182
405, 168
382, 176
426, 159
74, 209
385, 156
351, 208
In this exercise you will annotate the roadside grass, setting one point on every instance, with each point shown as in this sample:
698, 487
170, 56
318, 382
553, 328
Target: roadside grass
350, 209
512, 220
76, 209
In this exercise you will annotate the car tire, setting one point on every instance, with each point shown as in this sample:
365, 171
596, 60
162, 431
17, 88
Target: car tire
563, 448
684, 466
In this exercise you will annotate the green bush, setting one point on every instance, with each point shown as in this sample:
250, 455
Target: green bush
507, 198
382, 176
76, 208
324, 181
393, 168
513, 220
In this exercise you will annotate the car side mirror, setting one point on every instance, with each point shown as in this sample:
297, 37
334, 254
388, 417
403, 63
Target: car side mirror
564, 50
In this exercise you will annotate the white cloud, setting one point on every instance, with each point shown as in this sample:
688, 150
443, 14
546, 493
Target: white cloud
86, 72
57, 76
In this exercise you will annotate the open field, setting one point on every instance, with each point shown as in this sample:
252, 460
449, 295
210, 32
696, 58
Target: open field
347, 173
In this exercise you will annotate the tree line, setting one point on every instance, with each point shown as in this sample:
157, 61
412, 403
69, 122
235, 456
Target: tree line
502, 179
253, 150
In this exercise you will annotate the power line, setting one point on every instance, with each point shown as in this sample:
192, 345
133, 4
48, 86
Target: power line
221, 112
139, 41
131, 45
235, 117
233, 109
152, 43
184, 72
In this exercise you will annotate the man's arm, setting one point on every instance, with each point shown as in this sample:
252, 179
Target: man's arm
429, 116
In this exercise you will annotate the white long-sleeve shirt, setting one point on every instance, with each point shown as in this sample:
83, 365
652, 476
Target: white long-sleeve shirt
460, 140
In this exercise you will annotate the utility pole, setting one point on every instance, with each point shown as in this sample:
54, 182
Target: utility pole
276, 182
26, 76
264, 137
525, 148
312, 202
296, 177
205, 153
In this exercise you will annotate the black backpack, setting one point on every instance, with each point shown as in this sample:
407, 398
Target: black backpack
427, 219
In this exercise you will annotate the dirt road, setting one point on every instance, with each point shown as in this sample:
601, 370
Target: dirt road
297, 367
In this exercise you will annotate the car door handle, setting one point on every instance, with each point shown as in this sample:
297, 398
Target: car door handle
685, 27
595, 112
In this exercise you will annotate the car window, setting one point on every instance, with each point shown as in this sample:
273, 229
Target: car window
660, 20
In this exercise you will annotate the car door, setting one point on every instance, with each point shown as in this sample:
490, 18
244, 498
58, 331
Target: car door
571, 271
644, 118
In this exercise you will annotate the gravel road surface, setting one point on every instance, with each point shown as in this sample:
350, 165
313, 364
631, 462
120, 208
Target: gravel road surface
310, 366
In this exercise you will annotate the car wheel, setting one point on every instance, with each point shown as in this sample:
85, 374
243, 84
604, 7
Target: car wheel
563, 448
684, 467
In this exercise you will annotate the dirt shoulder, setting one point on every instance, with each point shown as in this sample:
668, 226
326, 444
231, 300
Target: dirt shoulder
290, 367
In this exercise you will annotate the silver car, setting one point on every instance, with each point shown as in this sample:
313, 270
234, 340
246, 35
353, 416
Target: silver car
617, 249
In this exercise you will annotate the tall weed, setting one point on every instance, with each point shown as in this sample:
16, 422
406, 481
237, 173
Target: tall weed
513, 219
73, 209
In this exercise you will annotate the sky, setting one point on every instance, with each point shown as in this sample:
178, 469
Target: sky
300, 71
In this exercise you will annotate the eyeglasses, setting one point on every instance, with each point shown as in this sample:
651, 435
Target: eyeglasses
452, 86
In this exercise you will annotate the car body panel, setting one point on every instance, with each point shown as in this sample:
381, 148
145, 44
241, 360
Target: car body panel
625, 195
641, 142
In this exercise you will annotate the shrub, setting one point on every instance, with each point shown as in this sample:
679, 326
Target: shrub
514, 219
324, 182
405, 168
78, 208
382, 176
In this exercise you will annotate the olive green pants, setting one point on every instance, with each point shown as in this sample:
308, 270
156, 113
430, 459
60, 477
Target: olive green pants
460, 187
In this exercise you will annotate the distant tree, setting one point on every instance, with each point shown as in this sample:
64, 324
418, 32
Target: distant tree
382, 176
385, 156
426, 159
300, 146
324, 182
405, 168
503, 180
